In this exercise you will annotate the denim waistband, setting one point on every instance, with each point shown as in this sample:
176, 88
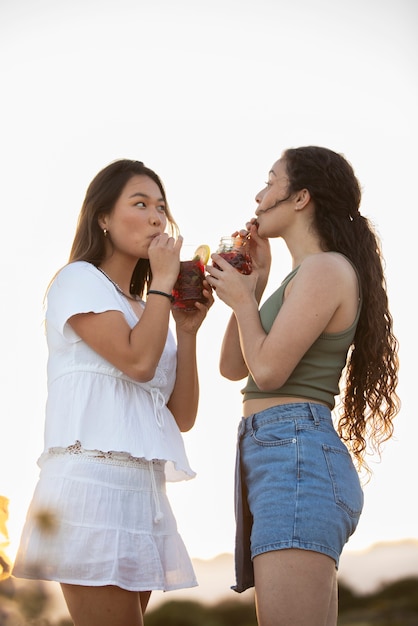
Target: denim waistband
293, 410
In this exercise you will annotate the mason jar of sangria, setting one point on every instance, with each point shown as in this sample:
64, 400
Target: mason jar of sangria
235, 251
188, 288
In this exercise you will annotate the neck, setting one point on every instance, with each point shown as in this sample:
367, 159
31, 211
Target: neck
302, 247
124, 290
119, 270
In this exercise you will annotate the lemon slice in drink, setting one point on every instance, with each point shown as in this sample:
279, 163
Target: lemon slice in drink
203, 253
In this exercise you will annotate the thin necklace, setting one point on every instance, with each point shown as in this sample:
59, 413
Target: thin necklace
134, 298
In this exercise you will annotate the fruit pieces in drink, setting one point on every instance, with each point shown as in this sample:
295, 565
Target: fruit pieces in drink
233, 250
203, 253
188, 288
241, 261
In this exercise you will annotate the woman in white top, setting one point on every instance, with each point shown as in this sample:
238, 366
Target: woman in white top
120, 391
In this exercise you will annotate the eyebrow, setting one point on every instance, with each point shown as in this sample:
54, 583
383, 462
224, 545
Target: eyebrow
138, 194
273, 172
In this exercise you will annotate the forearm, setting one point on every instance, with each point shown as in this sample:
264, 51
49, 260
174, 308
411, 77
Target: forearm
147, 339
251, 337
184, 400
231, 363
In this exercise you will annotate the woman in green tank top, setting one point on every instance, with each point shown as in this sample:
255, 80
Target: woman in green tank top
325, 332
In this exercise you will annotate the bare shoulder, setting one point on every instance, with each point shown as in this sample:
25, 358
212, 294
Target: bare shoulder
328, 272
331, 264
332, 283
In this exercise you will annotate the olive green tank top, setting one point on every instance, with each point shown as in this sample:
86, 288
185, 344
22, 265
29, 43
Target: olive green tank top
318, 373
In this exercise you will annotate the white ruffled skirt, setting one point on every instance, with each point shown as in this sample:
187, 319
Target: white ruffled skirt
103, 521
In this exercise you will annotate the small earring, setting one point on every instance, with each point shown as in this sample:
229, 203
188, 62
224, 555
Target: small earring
105, 232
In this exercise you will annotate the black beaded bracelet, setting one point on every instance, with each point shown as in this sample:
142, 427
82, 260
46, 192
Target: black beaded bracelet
161, 293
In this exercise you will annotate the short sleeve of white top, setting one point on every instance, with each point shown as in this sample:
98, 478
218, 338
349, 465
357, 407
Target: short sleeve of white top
90, 400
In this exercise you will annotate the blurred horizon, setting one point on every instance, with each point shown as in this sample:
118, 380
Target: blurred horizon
363, 572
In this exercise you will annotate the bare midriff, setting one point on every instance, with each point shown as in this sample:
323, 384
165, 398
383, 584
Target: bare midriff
255, 405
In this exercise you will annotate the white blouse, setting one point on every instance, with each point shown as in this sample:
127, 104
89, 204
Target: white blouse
92, 402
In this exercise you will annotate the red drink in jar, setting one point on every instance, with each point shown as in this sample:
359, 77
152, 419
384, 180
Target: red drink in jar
233, 250
188, 288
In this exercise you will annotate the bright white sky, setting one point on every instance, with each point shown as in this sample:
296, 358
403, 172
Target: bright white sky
208, 94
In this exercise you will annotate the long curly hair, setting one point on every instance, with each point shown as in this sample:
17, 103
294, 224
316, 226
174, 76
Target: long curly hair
101, 196
369, 401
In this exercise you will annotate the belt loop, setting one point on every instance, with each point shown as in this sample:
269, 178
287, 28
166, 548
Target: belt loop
314, 413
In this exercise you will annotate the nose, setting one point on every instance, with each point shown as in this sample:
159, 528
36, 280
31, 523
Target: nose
155, 218
259, 198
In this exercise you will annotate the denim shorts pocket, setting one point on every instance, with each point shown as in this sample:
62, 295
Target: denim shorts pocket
345, 481
274, 434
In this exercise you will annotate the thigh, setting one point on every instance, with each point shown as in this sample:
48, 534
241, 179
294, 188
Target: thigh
144, 597
295, 587
102, 606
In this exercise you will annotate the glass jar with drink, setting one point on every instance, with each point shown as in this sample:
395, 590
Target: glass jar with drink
235, 251
188, 287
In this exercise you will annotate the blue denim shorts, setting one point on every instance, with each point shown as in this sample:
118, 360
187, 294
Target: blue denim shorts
295, 486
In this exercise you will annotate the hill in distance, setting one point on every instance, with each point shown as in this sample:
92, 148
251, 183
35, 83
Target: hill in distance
362, 571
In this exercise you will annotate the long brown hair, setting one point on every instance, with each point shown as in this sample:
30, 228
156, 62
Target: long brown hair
369, 401
101, 196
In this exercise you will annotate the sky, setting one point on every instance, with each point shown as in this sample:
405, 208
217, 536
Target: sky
207, 94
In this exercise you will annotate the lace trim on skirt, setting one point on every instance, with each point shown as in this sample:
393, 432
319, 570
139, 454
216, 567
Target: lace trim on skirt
111, 457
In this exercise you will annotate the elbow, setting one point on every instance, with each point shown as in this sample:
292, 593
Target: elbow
265, 382
233, 377
141, 374
232, 373
184, 428
184, 415
265, 388
185, 422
